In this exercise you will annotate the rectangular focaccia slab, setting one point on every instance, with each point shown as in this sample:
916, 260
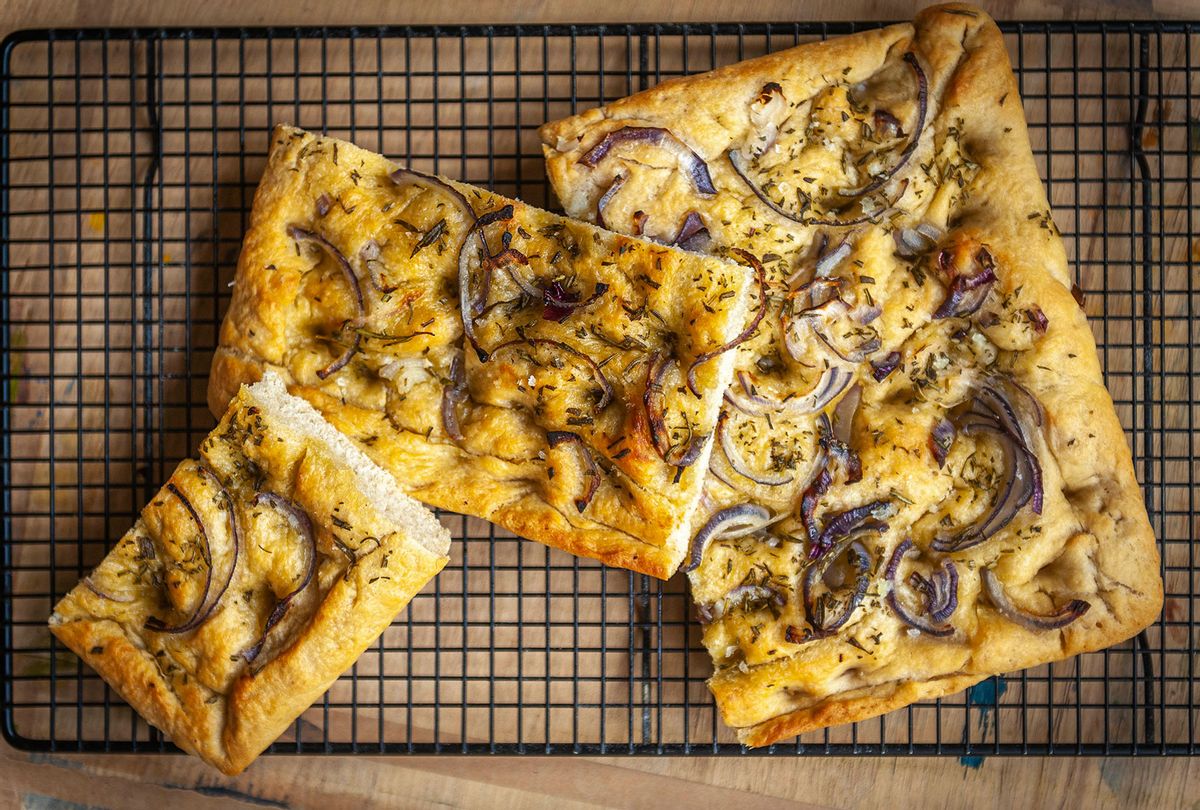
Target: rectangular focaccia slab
254, 578
565, 415
923, 374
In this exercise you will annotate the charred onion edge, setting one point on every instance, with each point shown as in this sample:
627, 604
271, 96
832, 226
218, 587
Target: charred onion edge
817, 568
1033, 621
299, 519
606, 389
761, 275
556, 437
739, 464
205, 608
935, 628
745, 514
697, 168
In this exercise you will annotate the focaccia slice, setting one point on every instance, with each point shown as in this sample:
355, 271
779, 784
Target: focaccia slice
922, 480
568, 418
254, 578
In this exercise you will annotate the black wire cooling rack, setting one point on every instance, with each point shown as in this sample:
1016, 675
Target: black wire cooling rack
129, 163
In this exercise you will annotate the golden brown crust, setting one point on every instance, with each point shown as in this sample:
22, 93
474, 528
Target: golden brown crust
850, 708
295, 317
1093, 540
199, 687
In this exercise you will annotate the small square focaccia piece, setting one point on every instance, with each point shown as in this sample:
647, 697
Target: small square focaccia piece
254, 578
577, 405
920, 479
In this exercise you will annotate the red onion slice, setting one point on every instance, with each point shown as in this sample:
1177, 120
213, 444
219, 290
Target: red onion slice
941, 439
844, 413
299, 521
341, 360
693, 233
304, 235
914, 139
834, 380
468, 303
1002, 408
882, 369
827, 263
746, 595
760, 275
768, 110
820, 483
733, 521
91, 586
1016, 492
591, 471
867, 517
452, 395
944, 599
936, 624
823, 625
606, 389
1037, 319
606, 198
405, 175
969, 286
656, 136
1034, 621
369, 256
654, 401
207, 605
558, 303
876, 183
739, 465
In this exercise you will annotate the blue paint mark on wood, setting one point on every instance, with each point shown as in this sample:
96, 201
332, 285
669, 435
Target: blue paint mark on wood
40, 801
984, 696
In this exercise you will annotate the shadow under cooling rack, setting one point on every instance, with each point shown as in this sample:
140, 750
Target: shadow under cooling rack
128, 167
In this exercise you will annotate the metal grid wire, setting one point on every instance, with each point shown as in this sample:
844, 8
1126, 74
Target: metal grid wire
129, 164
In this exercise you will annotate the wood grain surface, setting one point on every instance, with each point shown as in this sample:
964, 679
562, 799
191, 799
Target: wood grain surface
40, 781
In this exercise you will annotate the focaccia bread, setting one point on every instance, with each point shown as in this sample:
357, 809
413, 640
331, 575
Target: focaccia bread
921, 479
569, 418
254, 578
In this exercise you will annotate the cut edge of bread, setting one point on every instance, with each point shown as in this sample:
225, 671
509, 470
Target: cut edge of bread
295, 414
